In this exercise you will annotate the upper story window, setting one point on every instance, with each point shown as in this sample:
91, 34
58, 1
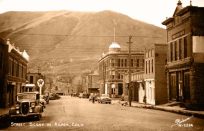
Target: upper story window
180, 49
112, 62
31, 79
118, 62
145, 67
138, 62
152, 65
125, 62
132, 63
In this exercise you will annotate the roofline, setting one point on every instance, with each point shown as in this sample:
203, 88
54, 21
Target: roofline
167, 21
119, 53
20, 55
181, 12
187, 8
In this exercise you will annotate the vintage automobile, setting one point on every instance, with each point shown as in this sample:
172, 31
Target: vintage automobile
54, 96
46, 98
104, 98
28, 105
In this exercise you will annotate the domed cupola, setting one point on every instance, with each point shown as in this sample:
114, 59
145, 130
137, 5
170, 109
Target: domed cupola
114, 47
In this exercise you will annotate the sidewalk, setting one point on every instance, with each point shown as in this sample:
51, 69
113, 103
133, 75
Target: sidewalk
4, 118
174, 109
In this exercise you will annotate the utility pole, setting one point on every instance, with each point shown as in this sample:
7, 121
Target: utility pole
104, 76
129, 71
38, 69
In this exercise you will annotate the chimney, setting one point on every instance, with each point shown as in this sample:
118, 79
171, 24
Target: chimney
8, 41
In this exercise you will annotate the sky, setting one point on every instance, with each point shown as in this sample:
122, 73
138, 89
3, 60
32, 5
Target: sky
149, 11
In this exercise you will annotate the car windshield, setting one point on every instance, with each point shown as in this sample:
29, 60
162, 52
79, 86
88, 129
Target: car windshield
26, 96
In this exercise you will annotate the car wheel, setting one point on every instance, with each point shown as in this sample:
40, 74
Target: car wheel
39, 117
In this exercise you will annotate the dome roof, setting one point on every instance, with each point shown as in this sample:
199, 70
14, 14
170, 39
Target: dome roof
114, 45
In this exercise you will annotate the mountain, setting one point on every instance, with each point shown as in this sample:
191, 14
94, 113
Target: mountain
62, 42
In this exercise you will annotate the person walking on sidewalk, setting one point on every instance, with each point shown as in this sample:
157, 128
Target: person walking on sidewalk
93, 99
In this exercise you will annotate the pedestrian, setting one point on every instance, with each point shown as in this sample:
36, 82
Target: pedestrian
93, 98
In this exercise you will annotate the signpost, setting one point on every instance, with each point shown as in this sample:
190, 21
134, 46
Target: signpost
40, 83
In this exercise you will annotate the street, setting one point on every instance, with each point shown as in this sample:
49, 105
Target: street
73, 113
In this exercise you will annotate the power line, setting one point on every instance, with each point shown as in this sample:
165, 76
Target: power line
71, 35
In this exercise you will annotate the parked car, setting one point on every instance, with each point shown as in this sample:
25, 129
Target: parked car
46, 98
54, 96
104, 98
85, 95
28, 105
74, 94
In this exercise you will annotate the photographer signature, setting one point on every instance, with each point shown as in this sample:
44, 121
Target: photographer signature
181, 123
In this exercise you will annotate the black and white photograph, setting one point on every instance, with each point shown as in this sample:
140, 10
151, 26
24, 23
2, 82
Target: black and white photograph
102, 65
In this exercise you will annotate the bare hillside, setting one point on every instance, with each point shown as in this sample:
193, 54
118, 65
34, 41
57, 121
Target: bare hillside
73, 41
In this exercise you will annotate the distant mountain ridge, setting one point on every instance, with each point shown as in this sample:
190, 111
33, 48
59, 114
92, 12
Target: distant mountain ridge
61, 42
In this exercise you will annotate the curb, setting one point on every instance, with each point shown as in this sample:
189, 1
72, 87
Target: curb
177, 111
182, 112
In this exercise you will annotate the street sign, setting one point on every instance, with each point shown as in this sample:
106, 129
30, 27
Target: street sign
40, 83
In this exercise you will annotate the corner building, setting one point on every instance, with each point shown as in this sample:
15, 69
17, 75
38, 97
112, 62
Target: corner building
185, 61
113, 66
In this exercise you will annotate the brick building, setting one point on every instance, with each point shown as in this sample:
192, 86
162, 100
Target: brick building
185, 63
3, 71
112, 67
14, 65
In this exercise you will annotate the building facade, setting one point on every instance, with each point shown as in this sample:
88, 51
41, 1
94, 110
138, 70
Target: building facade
14, 74
112, 67
3, 71
32, 79
185, 63
93, 83
155, 75
137, 85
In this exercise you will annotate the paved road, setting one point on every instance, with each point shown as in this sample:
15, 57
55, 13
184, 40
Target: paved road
71, 113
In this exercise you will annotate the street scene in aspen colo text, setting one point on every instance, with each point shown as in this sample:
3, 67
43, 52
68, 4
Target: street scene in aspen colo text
102, 66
